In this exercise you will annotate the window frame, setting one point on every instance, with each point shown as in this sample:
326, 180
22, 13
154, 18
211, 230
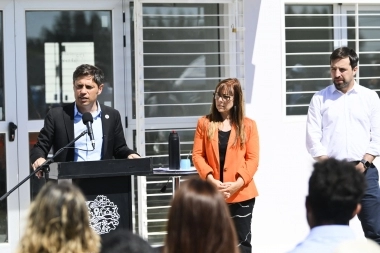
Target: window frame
340, 38
141, 124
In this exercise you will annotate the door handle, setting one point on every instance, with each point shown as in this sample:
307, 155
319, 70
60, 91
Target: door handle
12, 131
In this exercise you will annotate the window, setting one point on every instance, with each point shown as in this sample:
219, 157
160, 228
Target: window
58, 42
181, 58
180, 51
312, 32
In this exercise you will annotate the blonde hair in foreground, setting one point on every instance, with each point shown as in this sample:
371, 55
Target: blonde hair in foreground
199, 221
58, 222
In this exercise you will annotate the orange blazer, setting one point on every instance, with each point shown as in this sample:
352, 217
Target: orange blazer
239, 161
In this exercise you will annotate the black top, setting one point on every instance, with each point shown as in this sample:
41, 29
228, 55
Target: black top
223, 141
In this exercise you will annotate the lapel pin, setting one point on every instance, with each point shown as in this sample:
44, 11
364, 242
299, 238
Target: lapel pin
107, 116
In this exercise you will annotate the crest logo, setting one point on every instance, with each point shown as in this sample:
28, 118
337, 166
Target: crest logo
104, 215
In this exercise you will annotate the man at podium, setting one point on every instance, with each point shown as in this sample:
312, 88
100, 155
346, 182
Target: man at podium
63, 124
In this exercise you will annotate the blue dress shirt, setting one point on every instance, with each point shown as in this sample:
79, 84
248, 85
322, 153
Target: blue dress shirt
83, 147
324, 239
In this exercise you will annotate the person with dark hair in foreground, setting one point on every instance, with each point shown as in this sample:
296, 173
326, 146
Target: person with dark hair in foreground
335, 191
124, 241
199, 221
343, 122
58, 222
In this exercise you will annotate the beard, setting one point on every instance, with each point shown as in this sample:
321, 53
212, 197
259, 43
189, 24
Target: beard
340, 86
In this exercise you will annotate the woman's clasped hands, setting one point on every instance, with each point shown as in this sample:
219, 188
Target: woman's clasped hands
227, 188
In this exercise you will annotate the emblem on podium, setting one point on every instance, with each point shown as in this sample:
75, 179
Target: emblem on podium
104, 216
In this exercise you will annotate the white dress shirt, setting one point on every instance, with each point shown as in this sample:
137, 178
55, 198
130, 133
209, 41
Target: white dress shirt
344, 126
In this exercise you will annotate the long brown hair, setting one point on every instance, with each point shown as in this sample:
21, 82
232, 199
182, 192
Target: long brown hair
199, 221
230, 86
58, 222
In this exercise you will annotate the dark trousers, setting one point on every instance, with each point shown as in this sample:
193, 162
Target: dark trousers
241, 214
369, 215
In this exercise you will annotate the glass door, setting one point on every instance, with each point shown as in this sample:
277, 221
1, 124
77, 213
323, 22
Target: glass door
52, 39
9, 207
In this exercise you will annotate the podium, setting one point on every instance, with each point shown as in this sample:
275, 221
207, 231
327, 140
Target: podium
107, 187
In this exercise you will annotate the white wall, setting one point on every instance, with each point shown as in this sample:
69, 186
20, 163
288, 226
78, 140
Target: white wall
279, 217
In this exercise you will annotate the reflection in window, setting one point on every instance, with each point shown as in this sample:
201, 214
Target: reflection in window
312, 33
308, 47
186, 49
182, 54
3, 189
156, 145
58, 42
158, 202
369, 35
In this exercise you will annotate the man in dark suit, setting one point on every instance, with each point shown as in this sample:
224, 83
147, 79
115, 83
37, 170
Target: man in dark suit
63, 124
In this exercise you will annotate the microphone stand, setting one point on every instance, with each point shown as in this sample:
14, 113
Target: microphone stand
44, 166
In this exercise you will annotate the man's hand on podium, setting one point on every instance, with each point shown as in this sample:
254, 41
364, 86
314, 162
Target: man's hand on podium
133, 156
36, 164
41, 160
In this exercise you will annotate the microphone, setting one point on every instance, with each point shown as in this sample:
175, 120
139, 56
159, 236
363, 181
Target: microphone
87, 120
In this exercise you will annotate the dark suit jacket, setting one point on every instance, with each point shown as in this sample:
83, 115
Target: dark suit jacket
58, 131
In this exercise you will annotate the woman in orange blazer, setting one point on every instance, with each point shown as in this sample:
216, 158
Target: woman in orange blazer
226, 153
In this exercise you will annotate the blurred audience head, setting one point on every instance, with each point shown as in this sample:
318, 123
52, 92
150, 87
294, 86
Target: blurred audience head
199, 221
124, 241
335, 191
58, 222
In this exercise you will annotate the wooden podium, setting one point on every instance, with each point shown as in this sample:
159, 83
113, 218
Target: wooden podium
107, 187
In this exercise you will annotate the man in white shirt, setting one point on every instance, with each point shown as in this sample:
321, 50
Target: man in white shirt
335, 191
344, 122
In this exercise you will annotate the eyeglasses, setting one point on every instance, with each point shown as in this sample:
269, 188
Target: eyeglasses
224, 97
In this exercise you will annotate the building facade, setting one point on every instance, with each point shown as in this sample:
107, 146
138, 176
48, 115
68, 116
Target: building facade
162, 60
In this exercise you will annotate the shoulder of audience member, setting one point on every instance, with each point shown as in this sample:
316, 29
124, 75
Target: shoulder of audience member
358, 245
